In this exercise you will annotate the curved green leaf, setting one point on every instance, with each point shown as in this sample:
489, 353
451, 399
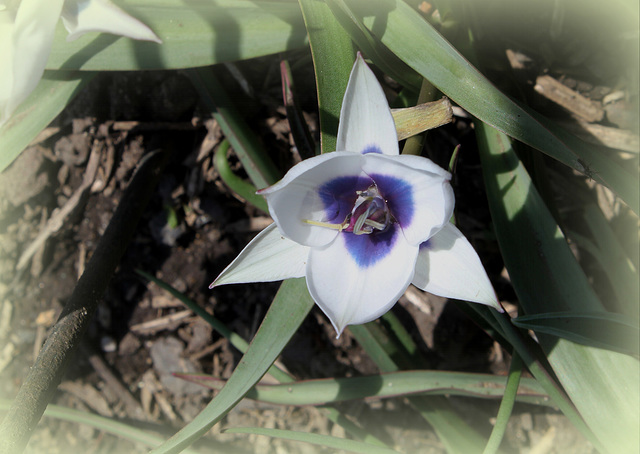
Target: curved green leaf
331, 390
194, 33
241, 187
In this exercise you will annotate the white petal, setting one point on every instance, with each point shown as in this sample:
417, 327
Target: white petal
417, 191
366, 124
298, 197
268, 257
83, 16
448, 266
354, 284
26, 37
422, 163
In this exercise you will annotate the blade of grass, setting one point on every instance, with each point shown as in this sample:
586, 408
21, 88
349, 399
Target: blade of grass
195, 33
316, 439
389, 63
288, 310
547, 278
394, 384
51, 95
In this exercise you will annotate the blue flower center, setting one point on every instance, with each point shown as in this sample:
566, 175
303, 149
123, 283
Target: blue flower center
370, 213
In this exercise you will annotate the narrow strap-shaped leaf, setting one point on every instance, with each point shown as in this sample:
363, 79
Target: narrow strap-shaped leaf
333, 57
607, 330
328, 441
602, 384
389, 63
124, 430
288, 310
299, 128
194, 33
51, 95
394, 384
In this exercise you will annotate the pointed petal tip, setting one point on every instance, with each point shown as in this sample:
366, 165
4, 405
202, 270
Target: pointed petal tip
84, 16
339, 329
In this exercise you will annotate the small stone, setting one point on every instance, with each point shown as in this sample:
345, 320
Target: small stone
108, 344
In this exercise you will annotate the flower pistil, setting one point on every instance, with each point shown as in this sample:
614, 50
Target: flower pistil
370, 213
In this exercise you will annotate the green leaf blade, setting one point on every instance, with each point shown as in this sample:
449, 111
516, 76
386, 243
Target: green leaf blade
602, 384
194, 33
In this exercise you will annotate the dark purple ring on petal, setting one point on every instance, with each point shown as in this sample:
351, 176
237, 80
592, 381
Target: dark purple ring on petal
367, 250
339, 195
398, 195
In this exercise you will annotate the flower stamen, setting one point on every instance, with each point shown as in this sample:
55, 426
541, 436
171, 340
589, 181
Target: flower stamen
369, 214
328, 225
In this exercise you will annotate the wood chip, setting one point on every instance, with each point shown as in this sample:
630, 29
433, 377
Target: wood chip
45, 134
133, 407
618, 139
5, 318
152, 385
46, 318
154, 126
60, 215
89, 395
571, 100
7, 354
168, 321
254, 224
418, 299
